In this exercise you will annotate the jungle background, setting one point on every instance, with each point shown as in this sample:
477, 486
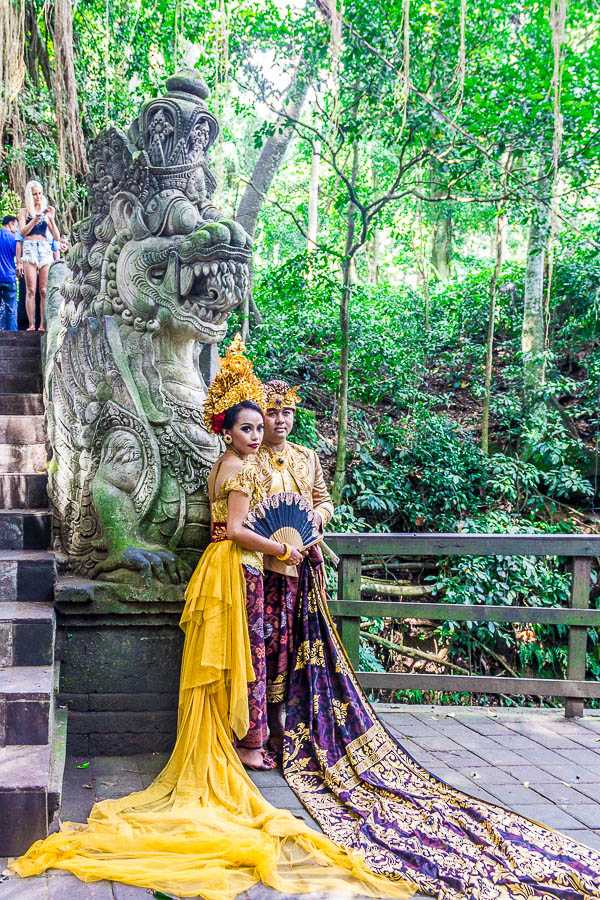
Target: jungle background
422, 183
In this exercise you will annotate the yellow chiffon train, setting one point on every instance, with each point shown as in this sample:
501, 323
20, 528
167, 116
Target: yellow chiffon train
202, 827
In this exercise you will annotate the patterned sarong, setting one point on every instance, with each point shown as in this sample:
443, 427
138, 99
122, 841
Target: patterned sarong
257, 689
280, 605
368, 794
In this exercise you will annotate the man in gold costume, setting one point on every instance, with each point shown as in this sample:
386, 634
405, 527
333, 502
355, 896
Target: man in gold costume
285, 466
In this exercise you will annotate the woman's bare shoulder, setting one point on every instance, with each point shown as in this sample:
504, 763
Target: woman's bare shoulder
228, 462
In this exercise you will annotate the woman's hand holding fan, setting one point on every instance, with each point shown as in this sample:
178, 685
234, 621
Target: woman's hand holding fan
288, 518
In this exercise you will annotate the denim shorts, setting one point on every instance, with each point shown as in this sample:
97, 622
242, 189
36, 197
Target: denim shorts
37, 252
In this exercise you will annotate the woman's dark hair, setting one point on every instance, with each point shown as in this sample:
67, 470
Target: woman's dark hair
232, 414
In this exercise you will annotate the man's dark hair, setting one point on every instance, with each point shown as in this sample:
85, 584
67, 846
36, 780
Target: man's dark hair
8, 219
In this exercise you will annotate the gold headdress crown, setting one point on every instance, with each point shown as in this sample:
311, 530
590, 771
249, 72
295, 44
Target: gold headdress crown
234, 382
280, 395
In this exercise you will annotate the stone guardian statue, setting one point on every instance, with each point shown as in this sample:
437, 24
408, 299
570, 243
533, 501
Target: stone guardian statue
153, 275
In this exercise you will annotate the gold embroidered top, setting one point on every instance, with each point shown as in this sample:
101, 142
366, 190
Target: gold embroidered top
242, 479
297, 469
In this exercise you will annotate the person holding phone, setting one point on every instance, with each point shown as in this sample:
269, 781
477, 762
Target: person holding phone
37, 225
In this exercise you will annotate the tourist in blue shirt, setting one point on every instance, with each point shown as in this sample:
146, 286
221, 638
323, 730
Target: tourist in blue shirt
8, 274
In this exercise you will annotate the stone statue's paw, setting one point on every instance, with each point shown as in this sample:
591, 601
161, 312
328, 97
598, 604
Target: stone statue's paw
149, 561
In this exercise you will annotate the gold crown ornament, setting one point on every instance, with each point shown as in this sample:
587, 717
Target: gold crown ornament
234, 382
280, 395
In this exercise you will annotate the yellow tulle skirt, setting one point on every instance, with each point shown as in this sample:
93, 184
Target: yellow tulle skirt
202, 827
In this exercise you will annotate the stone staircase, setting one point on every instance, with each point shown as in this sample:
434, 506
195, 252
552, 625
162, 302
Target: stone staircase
32, 726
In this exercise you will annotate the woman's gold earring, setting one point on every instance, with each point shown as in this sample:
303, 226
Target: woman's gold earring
227, 438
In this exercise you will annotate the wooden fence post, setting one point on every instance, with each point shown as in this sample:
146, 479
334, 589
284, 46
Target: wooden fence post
349, 571
579, 599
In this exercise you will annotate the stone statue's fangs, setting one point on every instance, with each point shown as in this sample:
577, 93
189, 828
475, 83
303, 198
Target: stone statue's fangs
154, 274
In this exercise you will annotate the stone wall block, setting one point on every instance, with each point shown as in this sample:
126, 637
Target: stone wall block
113, 723
23, 457
23, 819
6, 643
8, 579
16, 404
35, 579
11, 531
120, 659
27, 721
127, 744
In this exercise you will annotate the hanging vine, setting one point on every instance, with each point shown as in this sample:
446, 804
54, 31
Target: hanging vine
71, 145
402, 87
12, 59
462, 54
335, 14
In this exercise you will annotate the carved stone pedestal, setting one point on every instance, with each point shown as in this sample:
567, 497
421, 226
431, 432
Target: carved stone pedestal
120, 651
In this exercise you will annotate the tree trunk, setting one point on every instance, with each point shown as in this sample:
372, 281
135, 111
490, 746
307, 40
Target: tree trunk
441, 246
71, 145
270, 159
533, 333
339, 478
36, 52
499, 252
17, 174
441, 233
265, 169
501, 223
373, 249
313, 199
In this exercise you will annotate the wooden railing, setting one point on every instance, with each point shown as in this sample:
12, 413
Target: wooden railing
578, 617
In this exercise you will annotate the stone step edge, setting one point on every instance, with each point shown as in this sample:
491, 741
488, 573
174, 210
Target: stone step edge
26, 556
26, 611
41, 751
26, 407
45, 674
58, 756
25, 511
50, 763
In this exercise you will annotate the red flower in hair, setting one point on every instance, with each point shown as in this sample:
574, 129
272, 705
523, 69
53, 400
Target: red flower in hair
217, 422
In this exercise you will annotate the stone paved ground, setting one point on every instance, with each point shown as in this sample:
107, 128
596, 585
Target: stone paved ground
532, 761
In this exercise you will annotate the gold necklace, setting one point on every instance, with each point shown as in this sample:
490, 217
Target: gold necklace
278, 459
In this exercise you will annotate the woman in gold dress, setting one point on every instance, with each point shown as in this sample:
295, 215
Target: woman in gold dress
202, 827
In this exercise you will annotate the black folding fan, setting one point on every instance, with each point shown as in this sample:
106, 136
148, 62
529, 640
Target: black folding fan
286, 517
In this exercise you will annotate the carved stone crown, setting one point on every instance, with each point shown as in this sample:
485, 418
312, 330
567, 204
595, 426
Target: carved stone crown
176, 130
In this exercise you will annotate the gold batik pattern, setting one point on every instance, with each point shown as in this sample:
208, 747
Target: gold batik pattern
310, 654
277, 689
407, 823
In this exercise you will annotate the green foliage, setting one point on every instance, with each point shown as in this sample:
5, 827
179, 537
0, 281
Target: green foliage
539, 650
300, 303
